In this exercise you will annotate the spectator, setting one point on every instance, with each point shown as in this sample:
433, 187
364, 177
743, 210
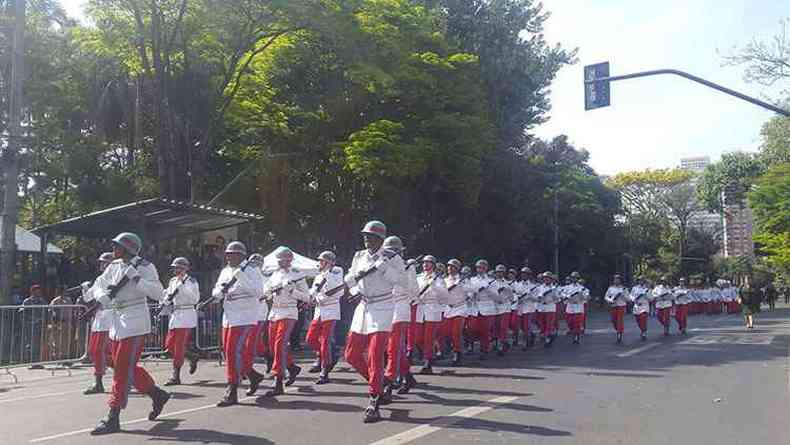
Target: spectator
16, 296
33, 324
770, 296
750, 304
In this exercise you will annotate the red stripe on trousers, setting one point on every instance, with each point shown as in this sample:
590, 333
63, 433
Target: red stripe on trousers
126, 372
176, 344
367, 354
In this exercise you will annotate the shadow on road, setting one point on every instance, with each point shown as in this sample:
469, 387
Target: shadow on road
167, 430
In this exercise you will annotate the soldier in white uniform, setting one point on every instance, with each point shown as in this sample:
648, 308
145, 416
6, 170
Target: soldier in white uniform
398, 370
257, 343
547, 307
239, 289
430, 298
180, 298
372, 278
664, 297
325, 295
617, 296
485, 297
682, 300
641, 297
122, 290
99, 342
527, 306
284, 289
503, 299
575, 297
458, 290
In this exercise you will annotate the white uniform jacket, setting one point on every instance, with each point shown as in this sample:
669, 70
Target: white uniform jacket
240, 303
376, 308
547, 298
285, 289
263, 305
102, 320
504, 295
641, 297
681, 295
725, 295
458, 291
403, 294
663, 296
484, 294
327, 307
575, 296
529, 298
129, 309
184, 315
616, 296
431, 297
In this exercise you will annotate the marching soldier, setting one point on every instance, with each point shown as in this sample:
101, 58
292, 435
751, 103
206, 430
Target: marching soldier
285, 289
398, 370
682, 300
575, 295
528, 306
99, 343
484, 296
514, 319
504, 296
327, 289
371, 278
616, 297
641, 298
239, 289
663, 296
180, 298
257, 343
547, 308
458, 291
431, 296
122, 289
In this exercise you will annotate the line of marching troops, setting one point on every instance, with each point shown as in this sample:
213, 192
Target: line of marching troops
400, 314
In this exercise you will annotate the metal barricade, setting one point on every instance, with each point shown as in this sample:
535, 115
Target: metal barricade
155, 341
208, 338
42, 335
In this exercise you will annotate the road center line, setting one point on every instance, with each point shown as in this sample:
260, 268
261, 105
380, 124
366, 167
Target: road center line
638, 350
424, 430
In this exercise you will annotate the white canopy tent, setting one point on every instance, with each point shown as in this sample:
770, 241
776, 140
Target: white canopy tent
30, 243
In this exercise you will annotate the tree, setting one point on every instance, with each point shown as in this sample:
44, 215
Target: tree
733, 175
775, 148
770, 201
768, 62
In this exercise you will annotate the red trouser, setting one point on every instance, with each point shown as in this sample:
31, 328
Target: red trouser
429, 330
641, 320
176, 344
99, 351
455, 330
371, 368
515, 321
482, 327
682, 315
397, 363
547, 322
663, 316
557, 316
575, 322
234, 339
125, 355
253, 346
262, 339
413, 335
618, 313
528, 319
279, 344
320, 337
501, 323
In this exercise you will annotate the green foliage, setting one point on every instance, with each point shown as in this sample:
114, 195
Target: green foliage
770, 201
775, 148
733, 174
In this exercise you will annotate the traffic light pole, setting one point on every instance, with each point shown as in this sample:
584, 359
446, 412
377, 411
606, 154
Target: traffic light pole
693, 78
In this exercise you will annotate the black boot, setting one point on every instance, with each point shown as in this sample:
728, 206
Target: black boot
372, 411
386, 397
277, 388
500, 350
158, 399
456, 359
110, 424
293, 371
97, 388
409, 382
316, 368
231, 396
619, 337
576, 339
255, 379
644, 336
323, 379
193, 358
269, 361
427, 369
175, 379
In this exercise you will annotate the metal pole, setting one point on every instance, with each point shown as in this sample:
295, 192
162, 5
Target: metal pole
556, 232
11, 156
693, 78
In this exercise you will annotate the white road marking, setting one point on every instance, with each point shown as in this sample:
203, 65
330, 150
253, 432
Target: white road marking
424, 430
730, 339
638, 350
39, 396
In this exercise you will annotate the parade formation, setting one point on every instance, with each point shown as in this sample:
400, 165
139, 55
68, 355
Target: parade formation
409, 311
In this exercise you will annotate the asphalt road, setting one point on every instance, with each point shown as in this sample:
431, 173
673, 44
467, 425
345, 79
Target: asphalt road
718, 385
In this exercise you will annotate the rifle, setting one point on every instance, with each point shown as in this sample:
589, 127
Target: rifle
114, 289
164, 307
387, 255
226, 286
279, 288
453, 286
428, 286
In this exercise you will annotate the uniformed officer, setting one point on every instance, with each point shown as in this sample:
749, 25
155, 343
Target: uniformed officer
458, 290
484, 298
430, 298
641, 297
682, 300
179, 300
398, 370
99, 342
617, 296
325, 294
664, 297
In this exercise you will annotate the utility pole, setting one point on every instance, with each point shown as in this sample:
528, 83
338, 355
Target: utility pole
10, 155
557, 230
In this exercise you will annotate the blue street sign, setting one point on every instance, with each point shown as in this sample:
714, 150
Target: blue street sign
596, 94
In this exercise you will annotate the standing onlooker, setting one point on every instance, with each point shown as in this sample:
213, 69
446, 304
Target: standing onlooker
750, 304
770, 296
33, 323
16, 296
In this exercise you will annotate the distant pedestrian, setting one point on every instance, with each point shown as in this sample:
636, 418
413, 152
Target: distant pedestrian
771, 296
750, 304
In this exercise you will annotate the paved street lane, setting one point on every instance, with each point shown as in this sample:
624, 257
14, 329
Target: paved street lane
718, 385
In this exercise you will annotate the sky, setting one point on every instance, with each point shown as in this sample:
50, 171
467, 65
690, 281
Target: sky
655, 121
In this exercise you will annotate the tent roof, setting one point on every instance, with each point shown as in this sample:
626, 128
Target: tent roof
29, 242
156, 219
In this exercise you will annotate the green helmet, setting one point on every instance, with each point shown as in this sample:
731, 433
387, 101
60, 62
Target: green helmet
129, 242
375, 228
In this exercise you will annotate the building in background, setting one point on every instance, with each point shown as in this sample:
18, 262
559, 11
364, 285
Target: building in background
695, 164
701, 220
738, 225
